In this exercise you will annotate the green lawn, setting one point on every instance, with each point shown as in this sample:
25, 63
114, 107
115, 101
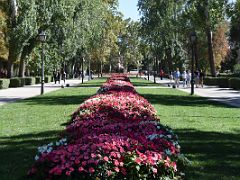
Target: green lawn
209, 132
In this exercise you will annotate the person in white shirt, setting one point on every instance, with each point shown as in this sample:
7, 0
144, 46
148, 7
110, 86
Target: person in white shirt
188, 76
184, 78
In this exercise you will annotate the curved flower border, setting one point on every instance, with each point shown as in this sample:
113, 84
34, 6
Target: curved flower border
115, 134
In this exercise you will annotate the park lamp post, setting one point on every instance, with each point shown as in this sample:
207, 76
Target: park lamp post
42, 38
82, 66
193, 38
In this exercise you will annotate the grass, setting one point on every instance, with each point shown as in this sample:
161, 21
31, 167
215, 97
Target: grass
208, 131
30, 123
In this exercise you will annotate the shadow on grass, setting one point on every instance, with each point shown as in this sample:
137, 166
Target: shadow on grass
56, 100
142, 82
94, 83
181, 100
213, 155
17, 153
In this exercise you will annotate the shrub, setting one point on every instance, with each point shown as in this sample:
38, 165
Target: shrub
223, 82
4, 83
17, 82
211, 81
30, 80
38, 80
236, 69
234, 83
48, 79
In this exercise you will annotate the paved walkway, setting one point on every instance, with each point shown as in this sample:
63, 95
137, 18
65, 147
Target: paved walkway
14, 94
223, 95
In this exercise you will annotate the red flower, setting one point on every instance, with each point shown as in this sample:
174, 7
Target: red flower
105, 158
91, 170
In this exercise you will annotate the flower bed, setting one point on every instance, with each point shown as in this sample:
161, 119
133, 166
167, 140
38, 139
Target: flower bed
112, 135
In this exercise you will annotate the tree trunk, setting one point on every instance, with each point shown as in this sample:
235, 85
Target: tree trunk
210, 52
14, 12
21, 68
196, 55
12, 57
9, 69
169, 60
101, 69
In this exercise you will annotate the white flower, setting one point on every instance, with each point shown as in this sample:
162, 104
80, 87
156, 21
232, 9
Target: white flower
169, 136
168, 152
36, 158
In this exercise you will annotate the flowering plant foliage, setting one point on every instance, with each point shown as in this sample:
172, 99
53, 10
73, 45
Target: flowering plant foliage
112, 135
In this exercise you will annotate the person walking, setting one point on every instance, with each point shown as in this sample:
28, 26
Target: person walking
196, 78
177, 75
161, 74
64, 76
201, 77
58, 76
188, 77
184, 78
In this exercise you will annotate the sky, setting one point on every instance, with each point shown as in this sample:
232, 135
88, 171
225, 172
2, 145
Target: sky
129, 9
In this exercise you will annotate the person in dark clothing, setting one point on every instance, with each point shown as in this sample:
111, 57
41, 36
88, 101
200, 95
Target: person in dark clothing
201, 77
161, 74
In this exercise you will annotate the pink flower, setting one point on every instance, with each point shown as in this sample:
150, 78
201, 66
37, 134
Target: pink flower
116, 169
68, 173
116, 163
91, 170
121, 164
56, 171
138, 160
93, 155
105, 158
84, 163
80, 169
109, 173
154, 170
123, 171
77, 162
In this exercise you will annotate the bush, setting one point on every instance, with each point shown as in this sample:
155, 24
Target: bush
211, 81
234, 83
236, 69
17, 82
48, 79
38, 80
223, 82
30, 80
4, 83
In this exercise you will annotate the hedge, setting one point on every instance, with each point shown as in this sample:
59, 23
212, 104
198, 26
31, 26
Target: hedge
17, 82
210, 81
4, 83
48, 79
234, 83
38, 80
223, 82
30, 80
